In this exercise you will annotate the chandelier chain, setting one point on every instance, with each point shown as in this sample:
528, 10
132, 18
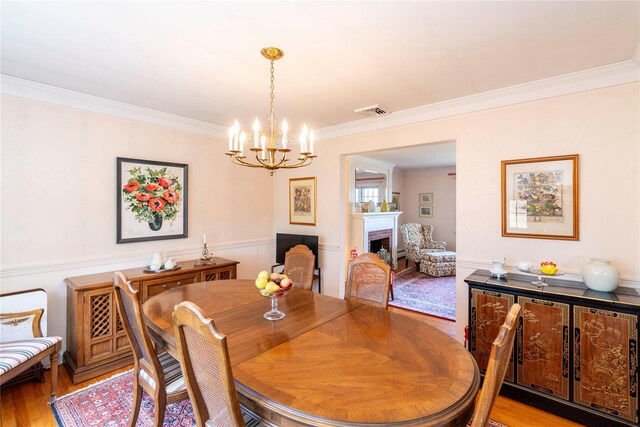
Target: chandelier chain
271, 114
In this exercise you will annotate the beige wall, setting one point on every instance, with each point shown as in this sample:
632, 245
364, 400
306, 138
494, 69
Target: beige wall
58, 195
443, 187
59, 198
601, 125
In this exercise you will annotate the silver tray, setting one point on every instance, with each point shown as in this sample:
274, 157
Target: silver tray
162, 270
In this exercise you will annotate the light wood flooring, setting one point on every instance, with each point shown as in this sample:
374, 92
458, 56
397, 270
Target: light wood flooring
26, 404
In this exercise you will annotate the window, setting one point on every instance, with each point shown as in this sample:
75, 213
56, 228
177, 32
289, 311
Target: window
367, 194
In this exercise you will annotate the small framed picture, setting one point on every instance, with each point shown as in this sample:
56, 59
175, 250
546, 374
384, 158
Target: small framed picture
426, 211
426, 198
395, 201
302, 201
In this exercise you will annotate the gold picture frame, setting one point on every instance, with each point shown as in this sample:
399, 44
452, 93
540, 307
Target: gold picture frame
302, 201
540, 198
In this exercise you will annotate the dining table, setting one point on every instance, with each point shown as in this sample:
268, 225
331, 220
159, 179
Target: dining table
329, 361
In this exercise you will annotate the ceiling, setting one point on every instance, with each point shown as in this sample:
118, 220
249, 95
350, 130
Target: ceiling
201, 60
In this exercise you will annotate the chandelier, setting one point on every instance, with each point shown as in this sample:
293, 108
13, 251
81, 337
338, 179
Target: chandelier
270, 146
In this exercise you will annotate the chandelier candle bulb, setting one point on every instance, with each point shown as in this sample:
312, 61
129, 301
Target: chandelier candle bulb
256, 131
285, 129
243, 137
204, 239
311, 138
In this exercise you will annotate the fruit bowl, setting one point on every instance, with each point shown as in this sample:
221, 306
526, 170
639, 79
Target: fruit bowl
273, 286
549, 268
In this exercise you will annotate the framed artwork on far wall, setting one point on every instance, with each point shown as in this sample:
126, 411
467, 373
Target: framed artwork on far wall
302, 201
426, 211
151, 200
540, 198
426, 198
395, 201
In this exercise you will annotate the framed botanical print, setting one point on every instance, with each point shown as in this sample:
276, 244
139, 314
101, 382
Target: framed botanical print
426, 198
426, 211
540, 198
151, 200
302, 201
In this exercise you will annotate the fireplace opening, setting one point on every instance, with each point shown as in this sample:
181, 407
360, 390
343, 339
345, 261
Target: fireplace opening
380, 239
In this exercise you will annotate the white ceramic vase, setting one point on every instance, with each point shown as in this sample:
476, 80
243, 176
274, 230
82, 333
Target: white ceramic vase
599, 275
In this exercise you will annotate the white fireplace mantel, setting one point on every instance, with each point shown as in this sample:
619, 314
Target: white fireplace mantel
363, 223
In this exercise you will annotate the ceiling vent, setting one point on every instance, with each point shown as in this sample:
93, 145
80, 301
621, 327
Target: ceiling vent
371, 110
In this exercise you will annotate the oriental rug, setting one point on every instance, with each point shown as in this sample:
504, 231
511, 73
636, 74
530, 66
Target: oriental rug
108, 403
420, 292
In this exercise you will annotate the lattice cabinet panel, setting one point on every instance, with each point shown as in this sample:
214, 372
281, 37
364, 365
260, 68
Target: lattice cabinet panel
488, 312
543, 346
225, 273
606, 361
98, 315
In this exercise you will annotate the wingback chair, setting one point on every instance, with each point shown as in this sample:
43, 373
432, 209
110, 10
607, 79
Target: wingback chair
418, 241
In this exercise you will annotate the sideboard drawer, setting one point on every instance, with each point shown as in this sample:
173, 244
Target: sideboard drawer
153, 287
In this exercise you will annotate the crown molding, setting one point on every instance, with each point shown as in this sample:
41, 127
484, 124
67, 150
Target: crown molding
594, 78
581, 81
68, 98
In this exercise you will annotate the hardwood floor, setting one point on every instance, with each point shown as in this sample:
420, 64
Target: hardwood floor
26, 404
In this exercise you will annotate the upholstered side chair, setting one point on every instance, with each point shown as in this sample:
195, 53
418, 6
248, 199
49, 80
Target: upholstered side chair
496, 368
418, 242
368, 280
206, 368
159, 375
299, 265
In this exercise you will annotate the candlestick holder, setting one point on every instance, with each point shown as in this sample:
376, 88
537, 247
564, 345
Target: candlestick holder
206, 259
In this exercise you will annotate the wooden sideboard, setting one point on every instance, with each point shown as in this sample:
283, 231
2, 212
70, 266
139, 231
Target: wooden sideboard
576, 350
96, 340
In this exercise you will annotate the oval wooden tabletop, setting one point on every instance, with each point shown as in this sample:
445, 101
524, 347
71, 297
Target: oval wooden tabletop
331, 362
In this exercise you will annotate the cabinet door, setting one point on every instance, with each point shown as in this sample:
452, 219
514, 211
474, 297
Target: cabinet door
103, 333
488, 312
154, 287
606, 361
219, 273
543, 346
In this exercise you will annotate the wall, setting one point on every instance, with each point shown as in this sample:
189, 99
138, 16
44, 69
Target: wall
443, 187
397, 187
603, 126
59, 206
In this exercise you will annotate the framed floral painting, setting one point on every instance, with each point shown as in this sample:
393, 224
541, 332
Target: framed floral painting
540, 198
302, 201
152, 200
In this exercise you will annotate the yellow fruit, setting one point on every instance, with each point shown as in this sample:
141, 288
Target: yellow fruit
261, 282
283, 276
272, 287
264, 273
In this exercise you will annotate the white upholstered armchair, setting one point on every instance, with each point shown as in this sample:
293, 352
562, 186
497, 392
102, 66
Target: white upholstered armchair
418, 241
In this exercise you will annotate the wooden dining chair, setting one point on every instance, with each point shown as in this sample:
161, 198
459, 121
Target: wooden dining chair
496, 368
158, 375
368, 280
299, 264
206, 368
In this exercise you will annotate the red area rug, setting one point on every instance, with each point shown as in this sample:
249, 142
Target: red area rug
420, 292
108, 403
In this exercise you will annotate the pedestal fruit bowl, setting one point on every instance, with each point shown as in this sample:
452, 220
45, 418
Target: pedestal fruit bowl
273, 286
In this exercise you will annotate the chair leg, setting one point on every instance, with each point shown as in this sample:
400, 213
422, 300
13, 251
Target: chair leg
54, 375
161, 404
391, 291
137, 401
